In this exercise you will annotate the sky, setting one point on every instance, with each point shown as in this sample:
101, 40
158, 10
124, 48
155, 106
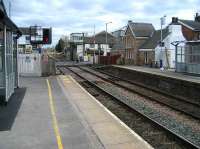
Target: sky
67, 16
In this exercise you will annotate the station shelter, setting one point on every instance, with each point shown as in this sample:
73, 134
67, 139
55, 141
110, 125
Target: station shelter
9, 33
188, 58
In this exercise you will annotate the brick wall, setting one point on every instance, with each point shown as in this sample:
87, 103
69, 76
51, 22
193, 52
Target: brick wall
132, 44
189, 34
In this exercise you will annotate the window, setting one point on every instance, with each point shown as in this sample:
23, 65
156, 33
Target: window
91, 45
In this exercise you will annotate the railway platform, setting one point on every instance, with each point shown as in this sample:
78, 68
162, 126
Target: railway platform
165, 73
56, 112
176, 85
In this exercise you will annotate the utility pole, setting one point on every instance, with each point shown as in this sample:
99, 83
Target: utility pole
162, 22
107, 36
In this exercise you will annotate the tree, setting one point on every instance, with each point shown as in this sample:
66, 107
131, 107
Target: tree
60, 46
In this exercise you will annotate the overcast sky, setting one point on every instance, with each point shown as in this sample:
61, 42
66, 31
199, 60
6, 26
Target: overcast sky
66, 16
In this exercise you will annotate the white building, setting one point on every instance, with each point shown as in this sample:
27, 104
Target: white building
165, 54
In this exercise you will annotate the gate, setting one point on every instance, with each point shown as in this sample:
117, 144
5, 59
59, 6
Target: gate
29, 64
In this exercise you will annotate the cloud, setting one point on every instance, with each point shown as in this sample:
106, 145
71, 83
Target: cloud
66, 16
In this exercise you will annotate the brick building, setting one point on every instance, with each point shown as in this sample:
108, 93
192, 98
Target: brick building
135, 35
190, 28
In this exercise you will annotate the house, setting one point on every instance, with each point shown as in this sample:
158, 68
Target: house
148, 48
135, 35
96, 45
71, 51
162, 54
9, 34
190, 28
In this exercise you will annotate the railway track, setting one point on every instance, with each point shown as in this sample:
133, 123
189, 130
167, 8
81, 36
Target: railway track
183, 106
158, 135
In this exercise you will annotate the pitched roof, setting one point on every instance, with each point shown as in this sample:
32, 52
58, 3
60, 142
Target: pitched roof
100, 38
194, 25
141, 29
153, 41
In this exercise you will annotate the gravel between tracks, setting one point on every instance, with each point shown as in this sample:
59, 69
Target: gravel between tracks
162, 114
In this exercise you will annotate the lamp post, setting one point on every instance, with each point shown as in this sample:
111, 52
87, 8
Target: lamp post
107, 36
162, 22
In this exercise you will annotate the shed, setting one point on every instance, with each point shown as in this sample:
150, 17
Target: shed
188, 58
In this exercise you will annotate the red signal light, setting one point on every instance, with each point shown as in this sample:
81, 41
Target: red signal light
46, 39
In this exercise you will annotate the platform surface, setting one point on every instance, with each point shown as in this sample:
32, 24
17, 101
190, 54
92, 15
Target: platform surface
165, 73
55, 112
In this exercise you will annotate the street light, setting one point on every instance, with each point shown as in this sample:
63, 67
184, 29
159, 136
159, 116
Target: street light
162, 22
107, 36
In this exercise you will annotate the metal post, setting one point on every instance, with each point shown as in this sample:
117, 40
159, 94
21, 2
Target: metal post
17, 72
5, 64
12, 66
162, 22
161, 36
176, 48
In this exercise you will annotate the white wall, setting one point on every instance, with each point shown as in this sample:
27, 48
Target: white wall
175, 34
22, 40
29, 64
79, 50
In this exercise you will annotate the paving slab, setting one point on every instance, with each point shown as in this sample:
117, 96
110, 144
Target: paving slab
111, 132
29, 121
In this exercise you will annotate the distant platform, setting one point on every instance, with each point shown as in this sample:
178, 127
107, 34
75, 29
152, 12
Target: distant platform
168, 82
166, 73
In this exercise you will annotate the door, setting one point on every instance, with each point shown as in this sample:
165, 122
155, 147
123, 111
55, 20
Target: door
145, 57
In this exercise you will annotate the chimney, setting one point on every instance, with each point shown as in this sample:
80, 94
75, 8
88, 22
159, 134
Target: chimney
174, 20
197, 17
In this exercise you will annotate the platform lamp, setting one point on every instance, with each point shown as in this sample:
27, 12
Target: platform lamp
162, 22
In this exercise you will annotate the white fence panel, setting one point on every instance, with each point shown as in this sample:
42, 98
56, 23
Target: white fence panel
29, 64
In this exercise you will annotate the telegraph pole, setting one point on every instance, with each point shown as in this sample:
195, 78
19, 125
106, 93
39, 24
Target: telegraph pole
162, 22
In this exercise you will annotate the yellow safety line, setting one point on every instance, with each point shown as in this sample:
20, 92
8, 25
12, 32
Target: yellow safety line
55, 123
